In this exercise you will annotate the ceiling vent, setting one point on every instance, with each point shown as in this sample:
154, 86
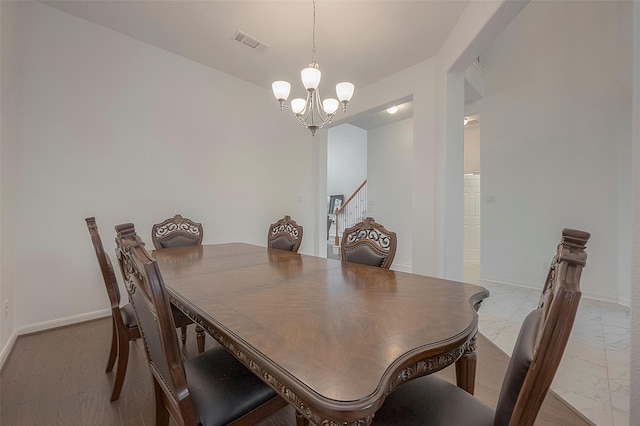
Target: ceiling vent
249, 41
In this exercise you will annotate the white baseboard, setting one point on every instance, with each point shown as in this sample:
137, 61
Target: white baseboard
7, 348
61, 322
402, 267
487, 280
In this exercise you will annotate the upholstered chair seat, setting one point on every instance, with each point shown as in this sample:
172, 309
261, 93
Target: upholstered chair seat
217, 399
128, 316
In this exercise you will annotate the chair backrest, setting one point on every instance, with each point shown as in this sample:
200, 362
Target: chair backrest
368, 243
153, 310
176, 231
544, 335
108, 275
285, 234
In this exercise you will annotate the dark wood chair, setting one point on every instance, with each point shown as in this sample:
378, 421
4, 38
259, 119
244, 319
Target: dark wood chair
176, 231
368, 243
536, 356
125, 327
212, 388
285, 234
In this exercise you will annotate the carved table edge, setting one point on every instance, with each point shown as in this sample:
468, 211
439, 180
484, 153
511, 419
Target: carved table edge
417, 369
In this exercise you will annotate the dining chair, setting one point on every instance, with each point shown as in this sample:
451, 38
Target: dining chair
124, 325
176, 231
535, 359
285, 234
212, 388
368, 243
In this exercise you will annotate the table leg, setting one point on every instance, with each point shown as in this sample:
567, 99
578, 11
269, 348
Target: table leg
466, 368
301, 420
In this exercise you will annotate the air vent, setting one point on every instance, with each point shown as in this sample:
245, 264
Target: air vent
249, 41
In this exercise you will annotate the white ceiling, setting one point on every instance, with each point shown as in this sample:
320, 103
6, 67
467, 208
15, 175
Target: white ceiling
357, 41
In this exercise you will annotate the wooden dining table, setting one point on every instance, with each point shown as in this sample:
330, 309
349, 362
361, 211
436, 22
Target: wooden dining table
332, 338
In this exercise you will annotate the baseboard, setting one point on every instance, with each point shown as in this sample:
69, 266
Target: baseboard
6, 351
624, 302
402, 267
61, 322
488, 280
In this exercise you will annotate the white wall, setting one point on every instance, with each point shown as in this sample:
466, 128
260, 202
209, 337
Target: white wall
550, 143
634, 403
389, 187
346, 159
8, 168
112, 127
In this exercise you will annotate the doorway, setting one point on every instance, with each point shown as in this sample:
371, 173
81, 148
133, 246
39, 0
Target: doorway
472, 199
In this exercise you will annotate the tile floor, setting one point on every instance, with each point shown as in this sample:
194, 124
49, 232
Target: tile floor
594, 374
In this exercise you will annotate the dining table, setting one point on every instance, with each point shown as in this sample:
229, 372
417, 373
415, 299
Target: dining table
332, 338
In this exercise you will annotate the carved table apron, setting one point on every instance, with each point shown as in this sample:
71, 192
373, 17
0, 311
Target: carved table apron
332, 338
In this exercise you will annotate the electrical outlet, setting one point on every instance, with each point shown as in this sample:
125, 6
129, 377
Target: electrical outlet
6, 308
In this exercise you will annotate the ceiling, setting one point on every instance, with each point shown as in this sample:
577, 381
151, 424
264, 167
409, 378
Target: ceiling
357, 41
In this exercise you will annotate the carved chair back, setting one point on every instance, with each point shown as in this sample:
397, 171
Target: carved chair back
176, 231
285, 234
153, 310
369, 243
544, 335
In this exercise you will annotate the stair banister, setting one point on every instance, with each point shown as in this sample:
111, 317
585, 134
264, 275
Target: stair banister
344, 206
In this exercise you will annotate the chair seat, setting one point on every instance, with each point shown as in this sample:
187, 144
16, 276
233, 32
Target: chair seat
222, 389
433, 401
129, 316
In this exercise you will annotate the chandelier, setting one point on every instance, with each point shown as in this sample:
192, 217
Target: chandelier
312, 112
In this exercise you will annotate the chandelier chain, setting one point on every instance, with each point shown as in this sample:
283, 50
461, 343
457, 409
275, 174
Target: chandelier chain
313, 37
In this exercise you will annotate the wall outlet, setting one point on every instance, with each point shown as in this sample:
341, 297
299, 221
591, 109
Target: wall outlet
6, 308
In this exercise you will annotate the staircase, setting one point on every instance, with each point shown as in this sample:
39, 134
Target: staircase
352, 211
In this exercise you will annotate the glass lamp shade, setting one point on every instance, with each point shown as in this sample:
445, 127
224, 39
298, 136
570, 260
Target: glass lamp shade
344, 91
310, 78
281, 90
298, 105
330, 105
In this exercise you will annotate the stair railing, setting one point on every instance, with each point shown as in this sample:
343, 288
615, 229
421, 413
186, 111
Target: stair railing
352, 211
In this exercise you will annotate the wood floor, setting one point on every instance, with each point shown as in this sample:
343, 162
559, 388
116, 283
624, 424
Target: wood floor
57, 377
